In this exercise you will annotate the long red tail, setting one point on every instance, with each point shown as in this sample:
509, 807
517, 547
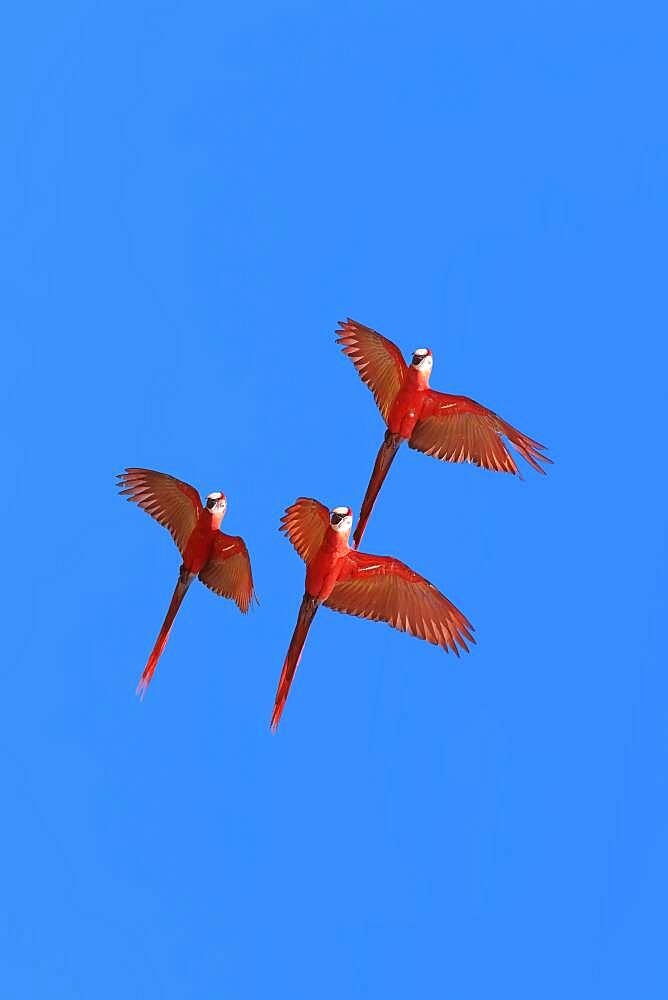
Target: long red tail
308, 608
384, 459
184, 581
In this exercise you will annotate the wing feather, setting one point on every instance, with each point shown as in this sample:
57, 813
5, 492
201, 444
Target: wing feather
228, 571
457, 429
174, 504
305, 523
379, 362
383, 589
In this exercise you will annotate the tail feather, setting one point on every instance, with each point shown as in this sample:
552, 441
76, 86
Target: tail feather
384, 459
184, 581
308, 608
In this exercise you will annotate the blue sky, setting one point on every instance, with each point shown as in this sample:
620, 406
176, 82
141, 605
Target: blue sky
192, 196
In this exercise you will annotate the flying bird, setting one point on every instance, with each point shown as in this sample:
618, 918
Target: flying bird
220, 561
376, 587
452, 428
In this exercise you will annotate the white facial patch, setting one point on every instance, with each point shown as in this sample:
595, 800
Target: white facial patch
422, 359
346, 519
216, 503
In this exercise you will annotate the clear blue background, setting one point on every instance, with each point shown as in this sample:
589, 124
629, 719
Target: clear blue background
192, 196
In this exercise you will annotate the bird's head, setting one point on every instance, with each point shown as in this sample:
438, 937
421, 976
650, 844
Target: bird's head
341, 519
216, 503
422, 360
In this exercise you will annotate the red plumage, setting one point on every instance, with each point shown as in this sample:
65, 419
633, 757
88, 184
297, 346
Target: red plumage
221, 561
451, 428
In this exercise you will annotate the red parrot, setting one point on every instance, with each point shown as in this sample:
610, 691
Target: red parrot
221, 561
452, 428
375, 587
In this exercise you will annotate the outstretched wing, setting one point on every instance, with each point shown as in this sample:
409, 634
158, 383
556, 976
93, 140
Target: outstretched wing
228, 571
457, 429
385, 589
377, 359
174, 504
305, 523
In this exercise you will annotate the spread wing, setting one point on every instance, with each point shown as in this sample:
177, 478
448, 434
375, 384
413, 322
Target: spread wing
384, 589
228, 571
174, 504
305, 523
377, 359
457, 429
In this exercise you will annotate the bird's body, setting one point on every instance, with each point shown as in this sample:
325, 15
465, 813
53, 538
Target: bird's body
376, 587
329, 565
451, 428
200, 544
409, 403
220, 561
